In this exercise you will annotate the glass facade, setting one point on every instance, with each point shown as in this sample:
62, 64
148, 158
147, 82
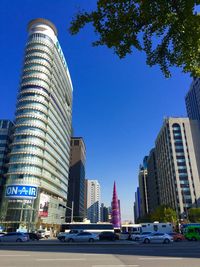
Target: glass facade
6, 130
192, 100
76, 189
40, 150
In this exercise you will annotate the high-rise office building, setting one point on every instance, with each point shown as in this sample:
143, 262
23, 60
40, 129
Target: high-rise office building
93, 200
6, 131
104, 213
152, 183
142, 178
177, 153
76, 180
37, 178
136, 206
192, 100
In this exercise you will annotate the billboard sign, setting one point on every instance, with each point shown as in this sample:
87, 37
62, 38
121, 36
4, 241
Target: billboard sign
21, 191
44, 205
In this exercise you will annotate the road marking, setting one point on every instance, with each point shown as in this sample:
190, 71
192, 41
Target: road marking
80, 259
16, 255
93, 254
116, 265
161, 258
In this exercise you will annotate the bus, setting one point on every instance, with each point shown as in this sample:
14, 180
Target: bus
185, 225
192, 232
130, 228
87, 227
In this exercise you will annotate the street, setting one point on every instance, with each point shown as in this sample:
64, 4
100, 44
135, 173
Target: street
183, 254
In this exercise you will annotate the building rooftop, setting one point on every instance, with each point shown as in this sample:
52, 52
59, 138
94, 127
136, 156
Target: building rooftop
43, 21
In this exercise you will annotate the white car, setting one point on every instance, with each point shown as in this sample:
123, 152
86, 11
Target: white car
157, 238
82, 237
138, 236
14, 237
63, 236
43, 233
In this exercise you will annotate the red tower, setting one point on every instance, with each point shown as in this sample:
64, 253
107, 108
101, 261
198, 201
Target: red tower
115, 215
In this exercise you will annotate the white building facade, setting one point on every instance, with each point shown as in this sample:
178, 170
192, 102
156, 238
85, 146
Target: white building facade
93, 199
37, 178
177, 153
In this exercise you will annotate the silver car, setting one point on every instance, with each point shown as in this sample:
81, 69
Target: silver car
14, 237
157, 238
138, 236
63, 236
83, 237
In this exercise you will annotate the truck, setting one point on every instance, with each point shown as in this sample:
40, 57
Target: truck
157, 227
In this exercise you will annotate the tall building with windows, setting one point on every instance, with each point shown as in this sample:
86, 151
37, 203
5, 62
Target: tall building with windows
93, 200
136, 206
142, 178
37, 179
177, 153
152, 182
76, 180
104, 213
192, 100
6, 131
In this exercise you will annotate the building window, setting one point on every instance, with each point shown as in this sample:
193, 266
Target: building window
4, 125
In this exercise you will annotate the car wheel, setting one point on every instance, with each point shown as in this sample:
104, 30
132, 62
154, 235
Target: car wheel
18, 240
70, 240
146, 241
166, 241
62, 239
91, 240
137, 239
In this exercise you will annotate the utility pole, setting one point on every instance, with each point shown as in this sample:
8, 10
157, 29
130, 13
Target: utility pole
72, 211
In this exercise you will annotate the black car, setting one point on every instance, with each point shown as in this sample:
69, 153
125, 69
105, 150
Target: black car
108, 236
33, 236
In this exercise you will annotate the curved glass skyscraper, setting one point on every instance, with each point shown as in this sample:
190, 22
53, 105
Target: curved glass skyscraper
37, 179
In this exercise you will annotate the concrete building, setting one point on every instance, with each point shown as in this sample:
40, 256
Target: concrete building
93, 200
6, 131
192, 100
177, 153
152, 183
37, 179
142, 178
76, 180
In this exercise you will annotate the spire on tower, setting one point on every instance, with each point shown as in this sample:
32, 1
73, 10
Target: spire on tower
115, 215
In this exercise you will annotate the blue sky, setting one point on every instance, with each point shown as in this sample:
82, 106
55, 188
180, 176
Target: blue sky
118, 106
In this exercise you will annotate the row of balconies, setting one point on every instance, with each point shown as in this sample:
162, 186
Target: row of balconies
38, 145
31, 62
36, 166
40, 126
